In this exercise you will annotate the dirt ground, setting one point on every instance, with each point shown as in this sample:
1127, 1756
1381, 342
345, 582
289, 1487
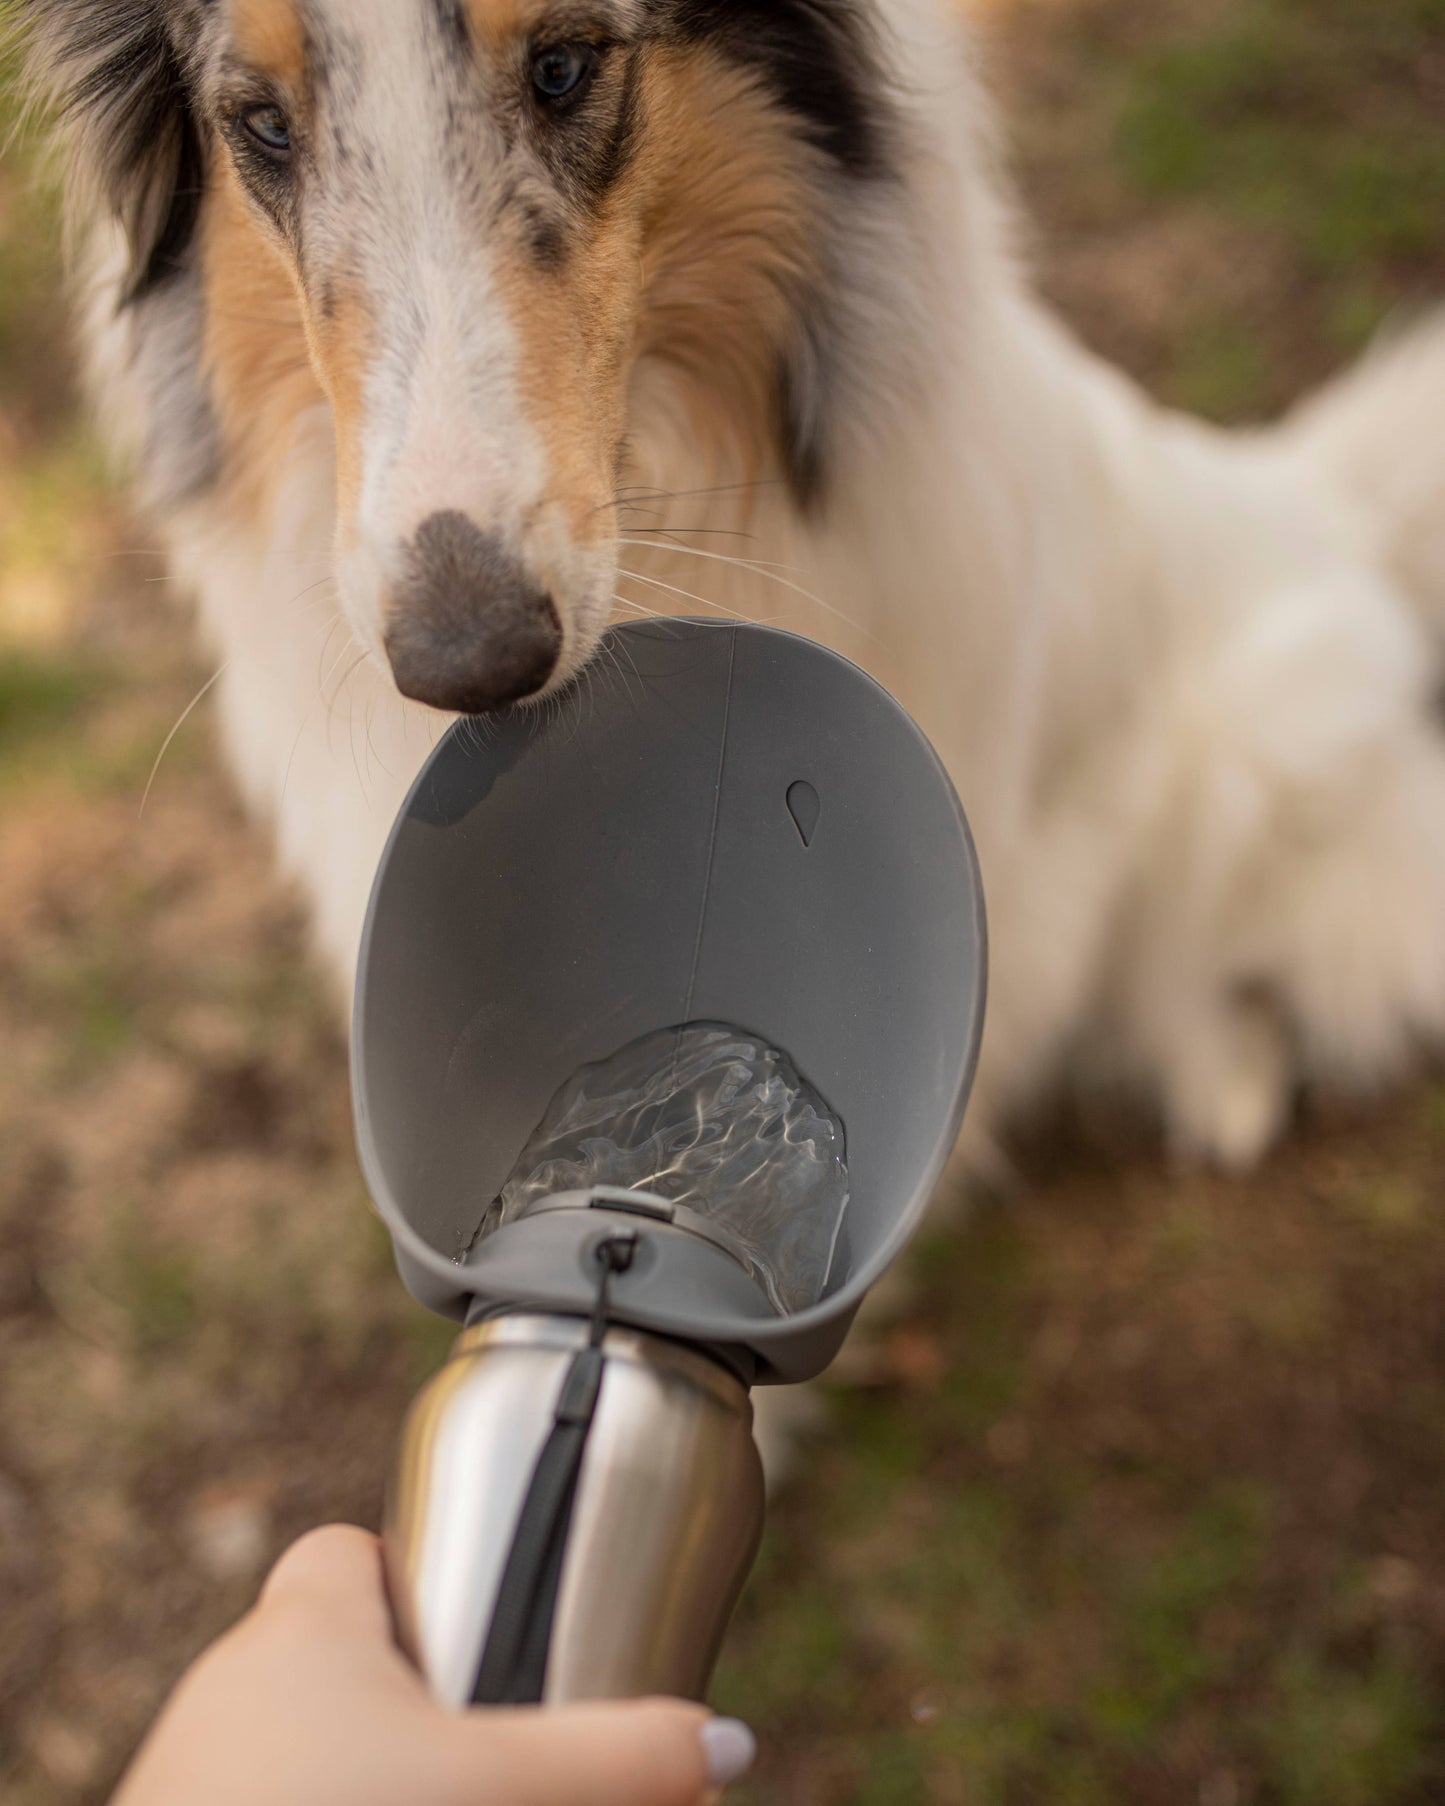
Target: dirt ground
1145, 1500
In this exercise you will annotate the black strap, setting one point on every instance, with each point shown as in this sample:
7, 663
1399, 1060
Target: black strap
513, 1667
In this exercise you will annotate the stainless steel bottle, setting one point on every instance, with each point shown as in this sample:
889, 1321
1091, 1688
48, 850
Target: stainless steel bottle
663, 1529
715, 824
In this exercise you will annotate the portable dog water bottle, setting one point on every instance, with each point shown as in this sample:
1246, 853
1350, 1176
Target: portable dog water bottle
668, 1005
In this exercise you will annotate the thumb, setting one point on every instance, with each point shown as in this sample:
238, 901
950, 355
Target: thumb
634, 1753
335, 1576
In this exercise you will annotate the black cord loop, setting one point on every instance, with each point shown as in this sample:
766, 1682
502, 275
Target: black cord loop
513, 1667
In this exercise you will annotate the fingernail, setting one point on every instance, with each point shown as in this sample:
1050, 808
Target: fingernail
728, 1749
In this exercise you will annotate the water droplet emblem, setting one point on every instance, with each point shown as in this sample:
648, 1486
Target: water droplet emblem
805, 808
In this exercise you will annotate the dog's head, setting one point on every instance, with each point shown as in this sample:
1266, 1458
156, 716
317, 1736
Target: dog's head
472, 223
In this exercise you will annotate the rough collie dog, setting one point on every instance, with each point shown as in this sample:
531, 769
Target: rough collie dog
441, 331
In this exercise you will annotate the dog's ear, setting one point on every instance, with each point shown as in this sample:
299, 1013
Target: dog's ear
119, 77
822, 61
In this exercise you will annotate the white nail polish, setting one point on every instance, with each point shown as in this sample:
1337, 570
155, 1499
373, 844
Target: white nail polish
728, 1748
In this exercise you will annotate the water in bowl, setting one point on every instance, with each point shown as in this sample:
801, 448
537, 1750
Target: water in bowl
712, 1117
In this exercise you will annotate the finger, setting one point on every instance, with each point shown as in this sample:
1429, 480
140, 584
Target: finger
337, 1573
635, 1753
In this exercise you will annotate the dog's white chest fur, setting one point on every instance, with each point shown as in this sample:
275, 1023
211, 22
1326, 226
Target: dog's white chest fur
1181, 680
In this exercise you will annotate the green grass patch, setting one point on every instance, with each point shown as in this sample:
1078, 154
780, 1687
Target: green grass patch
152, 1283
1164, 1654
41, 697
1391, 1206
801, 1664
898, 1773
1261, 118
91, 996
1220, 368
1336, 1737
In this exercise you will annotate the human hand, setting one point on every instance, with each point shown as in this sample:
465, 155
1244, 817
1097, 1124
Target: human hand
308, 1702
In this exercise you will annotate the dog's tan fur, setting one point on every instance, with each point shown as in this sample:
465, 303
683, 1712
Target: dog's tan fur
501, 25
1184, 681
698, 260
255, 348
270, 36
727, 254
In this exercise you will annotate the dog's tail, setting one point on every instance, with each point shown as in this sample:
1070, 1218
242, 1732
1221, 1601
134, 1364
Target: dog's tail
1378, 432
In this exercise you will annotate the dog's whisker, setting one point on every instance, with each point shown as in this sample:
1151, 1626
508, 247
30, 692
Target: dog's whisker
347, 676
336, 621
690, 596
309, 596
371, 752
656, 614
184, 717
637, 609
681, 495
773, 575
697, 528
743, 564
622, 498
619, 650
686, 594
711, 532
291, 757
332, 668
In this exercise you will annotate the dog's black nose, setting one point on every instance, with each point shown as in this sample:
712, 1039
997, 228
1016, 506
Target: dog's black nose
468, 629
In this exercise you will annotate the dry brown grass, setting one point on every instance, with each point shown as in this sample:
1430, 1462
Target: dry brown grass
1146, 1502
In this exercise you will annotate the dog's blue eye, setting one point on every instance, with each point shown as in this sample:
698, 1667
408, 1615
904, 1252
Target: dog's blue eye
268, 126
557, 72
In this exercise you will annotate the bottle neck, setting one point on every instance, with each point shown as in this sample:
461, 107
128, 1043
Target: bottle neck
490, 1325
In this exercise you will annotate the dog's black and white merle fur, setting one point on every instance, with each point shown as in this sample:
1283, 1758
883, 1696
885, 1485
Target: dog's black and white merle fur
443, 330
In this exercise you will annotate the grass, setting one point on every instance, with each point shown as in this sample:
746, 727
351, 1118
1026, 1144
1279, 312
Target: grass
1337, 1738
39, 697
1253, 119
1141, 1506
955, 1615
1297, 142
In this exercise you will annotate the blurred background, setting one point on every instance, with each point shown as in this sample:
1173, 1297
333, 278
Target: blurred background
1144, 1502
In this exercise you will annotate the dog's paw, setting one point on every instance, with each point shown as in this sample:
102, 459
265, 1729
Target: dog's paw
1230, 1089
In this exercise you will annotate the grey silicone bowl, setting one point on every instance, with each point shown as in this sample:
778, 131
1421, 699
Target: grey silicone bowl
717, 822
